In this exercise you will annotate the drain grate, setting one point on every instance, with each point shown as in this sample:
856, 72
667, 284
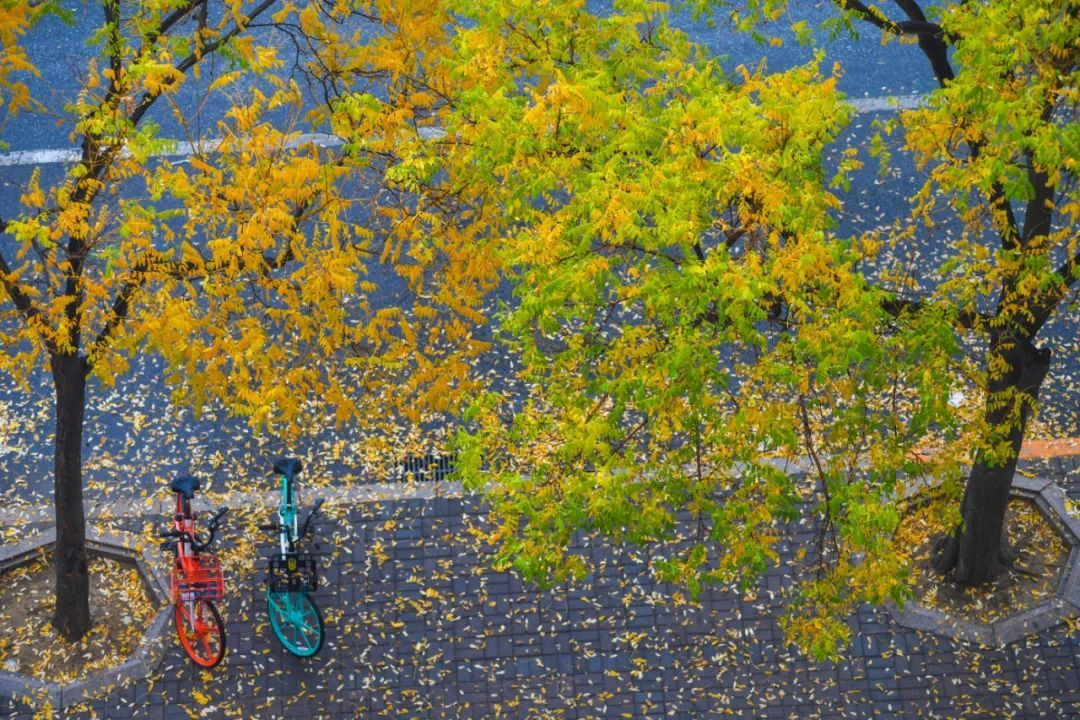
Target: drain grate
425, 468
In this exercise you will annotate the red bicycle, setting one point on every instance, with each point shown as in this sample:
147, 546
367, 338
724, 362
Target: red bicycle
197, 580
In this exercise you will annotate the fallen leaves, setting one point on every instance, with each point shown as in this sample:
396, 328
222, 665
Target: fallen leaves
119, 606
1032, 579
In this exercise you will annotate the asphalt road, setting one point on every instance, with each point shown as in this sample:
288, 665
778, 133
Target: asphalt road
868, 69
136, 439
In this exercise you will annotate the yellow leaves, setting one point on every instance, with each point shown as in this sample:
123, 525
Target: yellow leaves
378, 549
238, 17
265, 59
15, 20
199, 164
34, 197
200, 697
224, 80
310, 22
158, 78
282, 15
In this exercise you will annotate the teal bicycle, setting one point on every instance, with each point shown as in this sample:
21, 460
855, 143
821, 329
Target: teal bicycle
291, 576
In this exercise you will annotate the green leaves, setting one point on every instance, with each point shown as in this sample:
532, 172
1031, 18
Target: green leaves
684, 315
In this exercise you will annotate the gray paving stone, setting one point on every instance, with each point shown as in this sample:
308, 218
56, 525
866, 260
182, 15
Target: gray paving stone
492, 646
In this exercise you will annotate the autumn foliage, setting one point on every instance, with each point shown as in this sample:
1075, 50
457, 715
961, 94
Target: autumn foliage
685, 317
689, 320
246, 264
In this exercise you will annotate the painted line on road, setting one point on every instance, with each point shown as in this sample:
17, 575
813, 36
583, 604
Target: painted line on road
887, 104
184, 148
179, 149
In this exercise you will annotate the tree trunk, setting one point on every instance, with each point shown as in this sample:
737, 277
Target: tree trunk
975, 553
72, 615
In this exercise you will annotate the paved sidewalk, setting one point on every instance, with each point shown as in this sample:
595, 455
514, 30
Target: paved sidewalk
420, 627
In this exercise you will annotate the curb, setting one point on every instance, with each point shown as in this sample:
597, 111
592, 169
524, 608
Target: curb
1050, 500
140, 664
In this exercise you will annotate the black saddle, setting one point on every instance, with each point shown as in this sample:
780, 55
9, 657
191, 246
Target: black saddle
186, 486
288, 467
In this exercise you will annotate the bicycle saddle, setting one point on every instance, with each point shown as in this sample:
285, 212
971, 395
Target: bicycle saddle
288, 467
186, 486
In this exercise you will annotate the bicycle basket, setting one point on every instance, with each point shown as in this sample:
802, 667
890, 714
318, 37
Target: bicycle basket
292, 573
204, 581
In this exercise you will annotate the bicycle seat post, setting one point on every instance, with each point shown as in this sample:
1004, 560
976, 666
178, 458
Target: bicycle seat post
178, 521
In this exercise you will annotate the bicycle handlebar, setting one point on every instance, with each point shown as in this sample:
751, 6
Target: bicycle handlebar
212, 526
307, 521
214, 521
196, 544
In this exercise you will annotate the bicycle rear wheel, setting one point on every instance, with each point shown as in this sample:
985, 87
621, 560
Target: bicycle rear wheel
201, 632
296, 621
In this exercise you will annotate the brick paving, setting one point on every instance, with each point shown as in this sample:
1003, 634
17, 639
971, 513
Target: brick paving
419, 626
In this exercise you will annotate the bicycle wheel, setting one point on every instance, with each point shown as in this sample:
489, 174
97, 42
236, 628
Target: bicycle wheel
296, 621
201, 632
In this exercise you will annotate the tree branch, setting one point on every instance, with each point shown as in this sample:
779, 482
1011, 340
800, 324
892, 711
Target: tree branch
1040, 209
18, 296
968, 319
119, 310
877, 19
187, 63
911, 9
1042, 309
170, 20
95, 161
153, 263
1068, 270
930, 35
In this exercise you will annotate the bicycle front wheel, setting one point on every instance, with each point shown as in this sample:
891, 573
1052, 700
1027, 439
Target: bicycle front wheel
201, 632
296, 621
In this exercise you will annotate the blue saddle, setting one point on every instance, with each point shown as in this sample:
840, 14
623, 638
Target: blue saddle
288, 467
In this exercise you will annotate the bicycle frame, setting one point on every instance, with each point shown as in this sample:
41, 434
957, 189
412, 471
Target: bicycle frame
287, 517
186, 558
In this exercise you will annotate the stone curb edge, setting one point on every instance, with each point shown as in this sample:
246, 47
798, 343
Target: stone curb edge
145, 658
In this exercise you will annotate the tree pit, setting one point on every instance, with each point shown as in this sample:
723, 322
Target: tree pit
129, 609
1039, 558
1040, 588
120, 608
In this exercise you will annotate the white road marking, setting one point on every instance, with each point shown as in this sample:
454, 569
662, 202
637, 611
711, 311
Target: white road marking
887, 104
184, 149
181, 149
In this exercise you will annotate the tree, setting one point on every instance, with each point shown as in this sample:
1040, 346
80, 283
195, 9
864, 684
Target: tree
999, 141
1000, 137
244, 266
683, 309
